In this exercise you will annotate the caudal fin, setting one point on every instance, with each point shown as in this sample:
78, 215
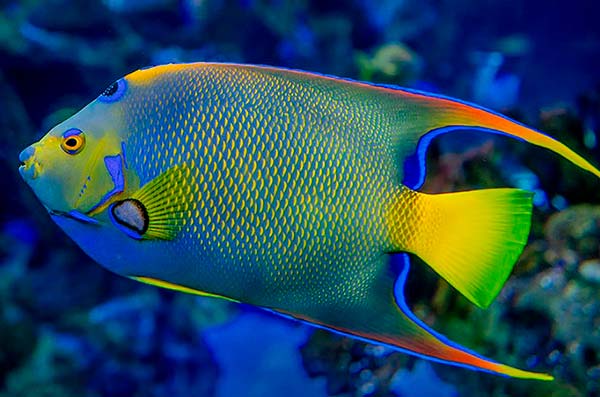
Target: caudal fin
472, 239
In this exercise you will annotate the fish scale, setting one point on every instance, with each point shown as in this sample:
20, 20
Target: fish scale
286, 190
332, 185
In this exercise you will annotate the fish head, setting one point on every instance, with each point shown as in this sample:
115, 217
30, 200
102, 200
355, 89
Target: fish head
79, 170
77, 167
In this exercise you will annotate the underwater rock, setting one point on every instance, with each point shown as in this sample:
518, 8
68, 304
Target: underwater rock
590, 271
574, 234
567, 295
148, 343
257, 355
393, 63
421, 381
351, 367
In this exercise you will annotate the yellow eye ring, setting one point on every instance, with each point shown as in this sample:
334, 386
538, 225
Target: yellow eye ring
73, 141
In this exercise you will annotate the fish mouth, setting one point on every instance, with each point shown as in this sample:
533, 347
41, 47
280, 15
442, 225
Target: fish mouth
29, 168
29, 171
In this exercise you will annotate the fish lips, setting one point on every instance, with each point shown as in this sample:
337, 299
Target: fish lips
28, 167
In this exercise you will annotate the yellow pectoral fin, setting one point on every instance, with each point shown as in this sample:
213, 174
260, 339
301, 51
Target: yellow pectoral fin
180, 288
159, 210
164, 199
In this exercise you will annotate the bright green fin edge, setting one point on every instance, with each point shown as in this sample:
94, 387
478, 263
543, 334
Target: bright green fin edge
472, 239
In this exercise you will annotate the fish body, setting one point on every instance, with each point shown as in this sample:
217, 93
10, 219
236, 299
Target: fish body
286, 190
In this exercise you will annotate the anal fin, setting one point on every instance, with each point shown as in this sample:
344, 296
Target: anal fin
385, 319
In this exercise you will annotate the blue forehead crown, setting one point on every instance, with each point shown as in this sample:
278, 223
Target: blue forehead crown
113, 92
71, 132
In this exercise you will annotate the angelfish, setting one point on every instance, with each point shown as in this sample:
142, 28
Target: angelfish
287, 190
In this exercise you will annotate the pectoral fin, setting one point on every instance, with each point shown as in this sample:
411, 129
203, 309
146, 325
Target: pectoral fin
158, 210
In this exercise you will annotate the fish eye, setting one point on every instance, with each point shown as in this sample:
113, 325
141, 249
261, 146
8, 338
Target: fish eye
73, 141
114, 91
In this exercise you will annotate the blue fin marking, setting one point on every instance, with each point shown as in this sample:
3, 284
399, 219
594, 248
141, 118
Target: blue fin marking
114, 165
81, 217
404, 267
415, 169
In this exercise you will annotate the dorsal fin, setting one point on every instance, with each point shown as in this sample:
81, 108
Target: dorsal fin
423, 116
437, 115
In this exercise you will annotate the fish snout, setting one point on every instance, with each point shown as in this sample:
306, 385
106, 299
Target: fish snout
28, 168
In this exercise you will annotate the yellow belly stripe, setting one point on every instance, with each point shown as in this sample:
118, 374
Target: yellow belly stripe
180, 288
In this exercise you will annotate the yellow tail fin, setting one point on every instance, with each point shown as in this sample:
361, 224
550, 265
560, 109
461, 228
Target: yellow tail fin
472, 239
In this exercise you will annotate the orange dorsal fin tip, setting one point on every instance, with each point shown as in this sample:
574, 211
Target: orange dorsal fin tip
443, 112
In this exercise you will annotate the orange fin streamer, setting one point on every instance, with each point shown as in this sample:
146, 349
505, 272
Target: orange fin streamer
382, 317
455, 113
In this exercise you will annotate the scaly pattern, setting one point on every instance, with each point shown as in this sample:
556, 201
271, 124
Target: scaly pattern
276, 193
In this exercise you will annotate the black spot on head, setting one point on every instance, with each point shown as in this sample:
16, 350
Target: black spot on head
114, 92
111, 89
